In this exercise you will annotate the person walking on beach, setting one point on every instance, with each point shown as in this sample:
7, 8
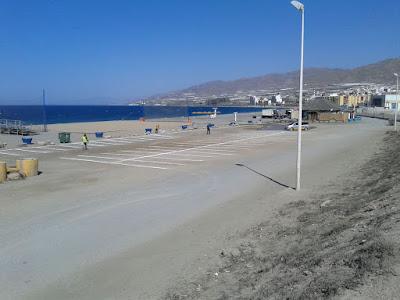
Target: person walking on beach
157, 128
85, 141
208, 129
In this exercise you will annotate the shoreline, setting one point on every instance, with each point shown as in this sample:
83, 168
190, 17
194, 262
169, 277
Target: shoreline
121, 128
61, 114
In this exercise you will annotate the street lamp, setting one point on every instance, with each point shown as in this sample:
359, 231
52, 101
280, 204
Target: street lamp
397, 100
300, 7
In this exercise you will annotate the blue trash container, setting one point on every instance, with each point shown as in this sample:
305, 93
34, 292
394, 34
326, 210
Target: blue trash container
99, 134
147, 130
184, 127
27, 140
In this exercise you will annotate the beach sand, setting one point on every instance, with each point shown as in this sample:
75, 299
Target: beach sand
119, 128
115, 128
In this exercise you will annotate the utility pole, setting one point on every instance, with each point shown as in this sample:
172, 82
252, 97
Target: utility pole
300, 7
397, 101
44, 111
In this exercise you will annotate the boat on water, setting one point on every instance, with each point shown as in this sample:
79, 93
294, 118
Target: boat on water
210, 113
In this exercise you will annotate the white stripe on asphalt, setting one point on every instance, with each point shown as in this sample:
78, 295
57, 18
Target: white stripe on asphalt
32, 151
160, 157
106, 143
199, 147
50, 147
208, 152
96, 145
113, 163
186, 154
159, 162
11, 154
70, 146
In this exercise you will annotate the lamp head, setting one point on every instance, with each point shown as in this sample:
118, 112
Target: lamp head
395, 74
298, 5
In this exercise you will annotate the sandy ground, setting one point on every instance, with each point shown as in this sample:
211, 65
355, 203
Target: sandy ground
342, 242
95, 231
120, 128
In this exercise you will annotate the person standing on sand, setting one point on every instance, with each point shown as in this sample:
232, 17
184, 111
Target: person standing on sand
208, 129
85, 141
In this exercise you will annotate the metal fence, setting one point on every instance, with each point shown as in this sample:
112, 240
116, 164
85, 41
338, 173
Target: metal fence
15, 127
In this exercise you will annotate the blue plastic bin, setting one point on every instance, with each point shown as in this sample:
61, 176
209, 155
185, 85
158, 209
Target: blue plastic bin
27, 140
184, 127
99, 134
147, 130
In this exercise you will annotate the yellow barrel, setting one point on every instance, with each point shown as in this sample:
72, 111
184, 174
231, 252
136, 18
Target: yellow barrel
28, 166
3, 171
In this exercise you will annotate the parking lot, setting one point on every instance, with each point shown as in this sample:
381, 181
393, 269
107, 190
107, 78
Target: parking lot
153, 151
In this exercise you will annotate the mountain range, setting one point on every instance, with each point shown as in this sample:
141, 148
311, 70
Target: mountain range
380, 73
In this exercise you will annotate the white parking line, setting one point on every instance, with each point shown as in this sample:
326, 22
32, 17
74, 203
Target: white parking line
32, 151
186, 154
113, 163
11, 154
208, 152
124, 142
180, 159
159, 162
199, 147
49, 147
164, 148
95, 145
107, 143
70, 146
144, 150
220, 149
96, 156
160, 157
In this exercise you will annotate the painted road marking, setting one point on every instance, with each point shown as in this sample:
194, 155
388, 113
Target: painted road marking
199, 147
164, 148
50, 147
208, 152
106, 143
185, 154
70, 146
11, 154
113, 163
159, 162
32, 151
145, 149
160, 157
92, 144
165, 153
180, 159
136, 160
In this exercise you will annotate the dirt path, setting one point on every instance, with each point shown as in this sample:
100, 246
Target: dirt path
331, 246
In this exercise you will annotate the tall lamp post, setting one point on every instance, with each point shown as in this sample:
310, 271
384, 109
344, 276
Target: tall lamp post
397, 100
44, 111
300, 7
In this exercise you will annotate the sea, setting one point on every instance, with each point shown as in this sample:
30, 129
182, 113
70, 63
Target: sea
52, 114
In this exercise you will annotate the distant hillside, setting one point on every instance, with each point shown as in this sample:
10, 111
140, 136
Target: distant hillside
380, 72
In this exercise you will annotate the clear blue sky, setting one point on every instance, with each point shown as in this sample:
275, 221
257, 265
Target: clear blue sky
110, 51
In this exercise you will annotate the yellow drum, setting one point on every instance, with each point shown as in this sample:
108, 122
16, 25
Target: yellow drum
28, 166
3, 171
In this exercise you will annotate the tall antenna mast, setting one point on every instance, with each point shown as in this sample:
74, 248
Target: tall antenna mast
44, 112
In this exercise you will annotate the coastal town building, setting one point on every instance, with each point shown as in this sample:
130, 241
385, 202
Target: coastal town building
387, 101
321, 109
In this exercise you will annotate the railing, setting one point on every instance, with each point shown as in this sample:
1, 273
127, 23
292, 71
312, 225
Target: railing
15, 127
